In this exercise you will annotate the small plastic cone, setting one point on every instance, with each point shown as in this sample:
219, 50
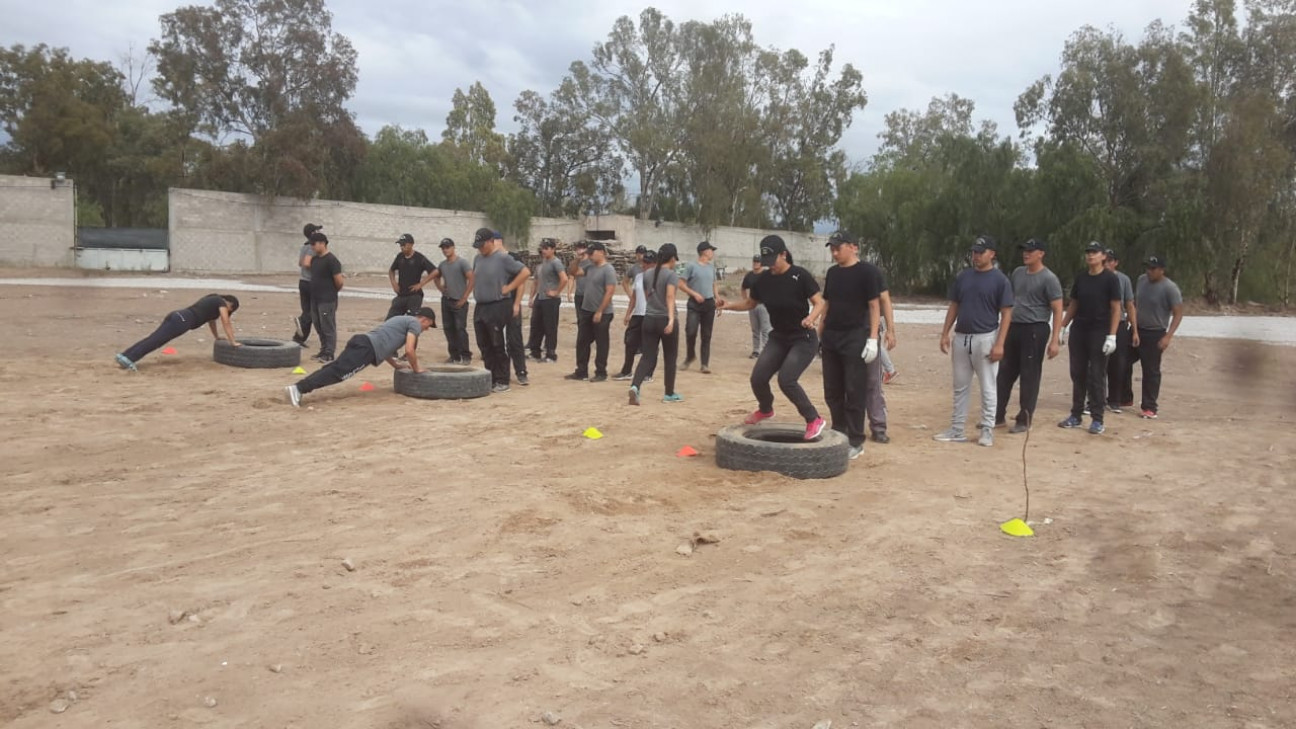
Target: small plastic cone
169, 350
592, 433
299, 371
367, 387
686, 452
1016, 528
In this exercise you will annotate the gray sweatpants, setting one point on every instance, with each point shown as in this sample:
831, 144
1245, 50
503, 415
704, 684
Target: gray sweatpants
971, 354
883, 355
760, 327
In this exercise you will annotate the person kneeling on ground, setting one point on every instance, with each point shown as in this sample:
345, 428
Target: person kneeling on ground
373, 348
204, 311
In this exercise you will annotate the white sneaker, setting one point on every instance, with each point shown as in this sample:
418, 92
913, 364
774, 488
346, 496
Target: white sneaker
294, 396
297, 327
987, 437
950, 436
856, 452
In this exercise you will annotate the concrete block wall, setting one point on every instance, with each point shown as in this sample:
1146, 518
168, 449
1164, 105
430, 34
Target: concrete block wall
37, 224
734, 246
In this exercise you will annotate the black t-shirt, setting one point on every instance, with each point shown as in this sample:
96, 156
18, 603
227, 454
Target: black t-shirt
323, 269
749, 280
1093, 296
848, 291
786, 297
206, 309
409, 271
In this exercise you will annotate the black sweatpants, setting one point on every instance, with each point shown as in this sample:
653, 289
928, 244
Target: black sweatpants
544, 328
490, 321
654, 333
1120, 368
700, 317
845, 380
513, 343
405, 304
599, 335
359, 354
173, 325
324, 315
1024, 350
304, 296
454, 322
786, 355
633, 343
1088, 371
1149, 354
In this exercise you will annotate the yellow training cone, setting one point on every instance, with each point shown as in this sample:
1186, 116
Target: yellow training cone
1016, 528
299, 371
593, 433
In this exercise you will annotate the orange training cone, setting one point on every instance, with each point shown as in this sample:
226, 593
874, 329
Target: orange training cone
686, 452
367, 387
169, 350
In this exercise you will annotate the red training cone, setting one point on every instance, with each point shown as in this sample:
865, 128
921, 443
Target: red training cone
367, 387
169, 350
686, 452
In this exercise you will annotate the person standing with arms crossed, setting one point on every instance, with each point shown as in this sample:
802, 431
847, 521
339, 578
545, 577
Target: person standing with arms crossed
1120, 365
496, 275
699, 284
1095, 309
409, 273
1037, 295
981, 302
326, 282
659, 283
595, 316
546, 298
848, 333
758, 317
455, 282
792, 297
1160, 306
302, 324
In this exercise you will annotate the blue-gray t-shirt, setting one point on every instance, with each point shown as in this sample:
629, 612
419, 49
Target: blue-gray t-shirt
701, 278
550, 275
597, 279
454, 276
655, 290
980, 295
491, 274
389, 337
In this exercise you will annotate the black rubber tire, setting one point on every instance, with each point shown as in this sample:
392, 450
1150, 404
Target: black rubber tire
780, 447
443, 382
257, 353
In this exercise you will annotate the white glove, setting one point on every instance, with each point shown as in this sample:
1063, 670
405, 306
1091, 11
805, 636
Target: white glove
870, 352
1109, 344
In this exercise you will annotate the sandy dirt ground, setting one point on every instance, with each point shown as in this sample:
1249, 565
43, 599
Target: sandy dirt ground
172, 547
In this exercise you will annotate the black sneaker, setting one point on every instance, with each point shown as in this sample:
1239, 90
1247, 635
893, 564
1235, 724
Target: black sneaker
687, 364
522, 380
623, 376
550, 360
881, 437
577, 377
500, 387
535, 358
598, 378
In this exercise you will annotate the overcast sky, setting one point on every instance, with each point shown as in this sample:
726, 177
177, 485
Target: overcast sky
414, 53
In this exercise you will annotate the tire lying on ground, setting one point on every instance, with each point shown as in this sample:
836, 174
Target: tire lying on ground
257, 353
444, 382
782, 448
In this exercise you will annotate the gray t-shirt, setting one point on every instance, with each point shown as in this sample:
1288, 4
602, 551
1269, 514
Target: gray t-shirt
549, 274
491, 274
633, 271
980, 296
306, 250
1127, 293
1156, 302
655, 290
1033, 295
701, 278
454, 276
597, 279
584, 266
388, 338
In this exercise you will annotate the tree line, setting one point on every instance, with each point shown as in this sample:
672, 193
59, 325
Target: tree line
1182, 142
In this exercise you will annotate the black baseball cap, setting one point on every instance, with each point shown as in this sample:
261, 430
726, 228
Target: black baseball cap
756, 258
650, 256
641, 249
548, 243
429, 313
446, 243
482, 235
841, 237
318, 237
1155, 262
581, 245
984, 243
1034, 244
405, 238
1111, 253
311, 228
1094, 247
596, 246
706, 246
770, 248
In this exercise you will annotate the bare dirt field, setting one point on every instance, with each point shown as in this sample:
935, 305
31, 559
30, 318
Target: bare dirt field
172, 547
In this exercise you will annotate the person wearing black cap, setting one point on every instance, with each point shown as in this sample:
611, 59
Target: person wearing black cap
326, 282
576, 273
792, 297
1160, 307
206, 310
758, 318
496, 275
633, 338
659, 327
594, 322
699, 284
1120, 365
372, 349
546, 298
455, 281
1095, 309
408, 274
981, 302
627, 281
849, 336
302, 323
1037, 295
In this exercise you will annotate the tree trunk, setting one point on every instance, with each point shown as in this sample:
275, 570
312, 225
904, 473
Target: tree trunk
1208, 288
1291, 252
1235, 275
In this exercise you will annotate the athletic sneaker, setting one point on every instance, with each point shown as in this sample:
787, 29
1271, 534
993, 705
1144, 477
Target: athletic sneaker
648, 378
686, 364
705, 370
1113, 409
673, 397
1071, 422
634, 395
1096, 428
297, 327
757, 416
622, 377
1001, 424
294, 395
500, 387
987, 437
1148, 415
535, 358
950, 436
549, 360
522, 380
880, 436
577, 377
1018, 428
889, 376
754, 355
126, 364
815, 428
856, 452
323, 358
598, 378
